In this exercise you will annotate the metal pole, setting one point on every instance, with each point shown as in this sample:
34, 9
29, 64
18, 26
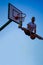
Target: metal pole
8, 22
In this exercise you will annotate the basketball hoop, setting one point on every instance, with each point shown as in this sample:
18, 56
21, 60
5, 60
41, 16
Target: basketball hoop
22, 17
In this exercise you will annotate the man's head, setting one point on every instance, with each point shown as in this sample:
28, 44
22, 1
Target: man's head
33, 19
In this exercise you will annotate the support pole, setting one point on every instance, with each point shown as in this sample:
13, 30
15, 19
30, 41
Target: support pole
8, 22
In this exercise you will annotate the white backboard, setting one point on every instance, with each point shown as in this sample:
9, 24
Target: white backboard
13, 12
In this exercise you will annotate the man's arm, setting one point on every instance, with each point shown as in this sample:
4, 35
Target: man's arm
28, 26
35, 29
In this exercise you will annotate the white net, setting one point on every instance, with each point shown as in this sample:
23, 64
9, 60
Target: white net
22, 17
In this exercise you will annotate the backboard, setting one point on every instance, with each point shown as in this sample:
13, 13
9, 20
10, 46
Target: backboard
15, 14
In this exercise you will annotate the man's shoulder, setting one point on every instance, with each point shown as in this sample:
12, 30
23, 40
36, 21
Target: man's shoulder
29, 23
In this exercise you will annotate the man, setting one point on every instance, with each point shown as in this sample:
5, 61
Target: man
31, 29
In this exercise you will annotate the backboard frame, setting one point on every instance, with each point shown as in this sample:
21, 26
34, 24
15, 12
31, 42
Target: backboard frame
17, 10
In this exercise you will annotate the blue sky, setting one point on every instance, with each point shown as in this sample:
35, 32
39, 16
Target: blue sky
15, 47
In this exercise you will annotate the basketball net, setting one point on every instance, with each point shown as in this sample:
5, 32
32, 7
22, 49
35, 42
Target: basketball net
21, 19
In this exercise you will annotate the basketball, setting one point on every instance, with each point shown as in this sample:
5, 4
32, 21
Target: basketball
32, 36
16, 17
